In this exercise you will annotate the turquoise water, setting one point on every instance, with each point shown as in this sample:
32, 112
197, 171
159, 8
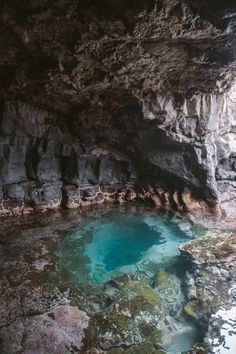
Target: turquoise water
119, 264
128, 261
120, 243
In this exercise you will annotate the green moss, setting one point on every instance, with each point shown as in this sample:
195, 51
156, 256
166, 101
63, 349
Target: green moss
151, 345
162, 279
39, 278
136, 305
191, 309
141, 288
121, 323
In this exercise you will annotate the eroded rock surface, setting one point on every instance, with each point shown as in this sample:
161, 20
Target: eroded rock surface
39, 320
212, 288
112, 101
168, 308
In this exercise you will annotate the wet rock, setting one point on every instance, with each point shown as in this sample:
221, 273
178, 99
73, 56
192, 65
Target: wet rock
130, 323
169, 289
47, 194
199, 349
191, 309
45, 334
42, 321
71, 196
222, 330
69, 315
211, 290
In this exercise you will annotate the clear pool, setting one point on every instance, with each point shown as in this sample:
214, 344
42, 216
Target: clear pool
121, 243
119, 264
133, 254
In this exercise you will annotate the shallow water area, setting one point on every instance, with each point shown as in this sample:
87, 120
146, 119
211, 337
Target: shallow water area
120, 243
121, 265
140, 249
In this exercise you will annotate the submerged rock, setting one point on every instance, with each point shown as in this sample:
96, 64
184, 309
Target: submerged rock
211, 291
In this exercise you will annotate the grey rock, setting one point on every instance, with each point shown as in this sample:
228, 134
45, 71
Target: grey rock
136, 93
113, 171
15, 191
47, 194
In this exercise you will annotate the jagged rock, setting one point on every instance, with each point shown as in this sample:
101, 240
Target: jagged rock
210, 289
139, 93
48, 194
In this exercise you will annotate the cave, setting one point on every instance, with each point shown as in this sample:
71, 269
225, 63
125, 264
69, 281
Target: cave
117, 116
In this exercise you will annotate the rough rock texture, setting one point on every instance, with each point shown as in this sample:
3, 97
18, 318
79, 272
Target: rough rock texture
42, 321
115, 100
212, 288
44, 311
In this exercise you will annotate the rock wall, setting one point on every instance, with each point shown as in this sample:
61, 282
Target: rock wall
203, 130
117, 102
43, 166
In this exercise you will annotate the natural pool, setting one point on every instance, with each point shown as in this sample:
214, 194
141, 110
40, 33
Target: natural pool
120, 243
121, 265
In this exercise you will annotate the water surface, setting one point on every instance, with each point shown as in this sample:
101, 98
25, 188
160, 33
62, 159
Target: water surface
119, 243
119, 264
